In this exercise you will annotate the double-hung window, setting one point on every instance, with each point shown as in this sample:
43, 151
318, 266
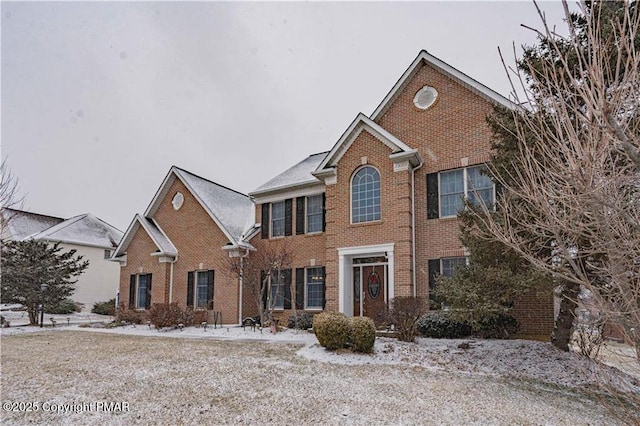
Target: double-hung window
140, 291
314, 288
466, 183
200, 289
277, 219
277, 291
314, 214
448, 265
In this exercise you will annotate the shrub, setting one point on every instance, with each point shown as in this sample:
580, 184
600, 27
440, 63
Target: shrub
331, 329
500, 326
164, 315
105, 308
439, 325
129, 315
362, 334
301, 321
192, 317
404, 314
62, 307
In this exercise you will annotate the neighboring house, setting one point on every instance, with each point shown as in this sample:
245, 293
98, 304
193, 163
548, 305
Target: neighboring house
91, 237
372, 219
174, 251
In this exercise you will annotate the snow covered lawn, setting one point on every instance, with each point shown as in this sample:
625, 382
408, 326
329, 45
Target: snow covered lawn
239, 376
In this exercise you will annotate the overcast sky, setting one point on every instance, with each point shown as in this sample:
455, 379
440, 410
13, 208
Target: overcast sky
100, 99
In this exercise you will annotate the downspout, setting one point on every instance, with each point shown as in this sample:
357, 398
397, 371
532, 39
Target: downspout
171, 279
413, 226
240, 284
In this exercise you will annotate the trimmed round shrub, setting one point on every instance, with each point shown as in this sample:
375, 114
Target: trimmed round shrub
362, 334
439, 325
331, 329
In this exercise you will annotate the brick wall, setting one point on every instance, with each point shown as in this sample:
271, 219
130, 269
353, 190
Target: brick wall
199, 242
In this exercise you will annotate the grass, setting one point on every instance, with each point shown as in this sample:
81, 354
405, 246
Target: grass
185, 381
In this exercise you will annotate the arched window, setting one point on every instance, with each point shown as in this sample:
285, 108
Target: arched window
365, 195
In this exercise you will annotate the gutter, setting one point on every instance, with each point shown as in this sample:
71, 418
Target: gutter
413, 226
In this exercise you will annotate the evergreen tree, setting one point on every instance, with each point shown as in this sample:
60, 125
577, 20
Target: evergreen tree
34, 272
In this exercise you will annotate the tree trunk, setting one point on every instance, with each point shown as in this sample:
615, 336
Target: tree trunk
563, 327
33, 316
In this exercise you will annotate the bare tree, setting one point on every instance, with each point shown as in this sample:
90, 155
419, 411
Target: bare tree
572, 206
259, 270
9, 196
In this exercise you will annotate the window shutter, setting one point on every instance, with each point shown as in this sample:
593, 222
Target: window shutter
210, 279
324, 213
148, 304
190, 282
288, 212
432, 196
286, 274
299, 288
132, 292
264, 225
324, 289
434, 271
300, 210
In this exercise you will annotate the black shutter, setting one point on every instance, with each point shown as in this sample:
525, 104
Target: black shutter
210, 278
148, 304
299, 288
434, 271
190, 282
324, 289
288, 213
300, 208
264, 225
286, 275
432, 196
324, 213
499, 191
132, 292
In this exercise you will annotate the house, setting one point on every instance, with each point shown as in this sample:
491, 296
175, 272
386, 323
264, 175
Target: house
91, 237
372, 219
174, 251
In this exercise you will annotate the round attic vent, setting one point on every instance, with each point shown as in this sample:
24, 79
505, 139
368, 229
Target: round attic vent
425, 97
177, 201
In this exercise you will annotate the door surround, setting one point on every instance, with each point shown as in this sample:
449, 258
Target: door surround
345, 275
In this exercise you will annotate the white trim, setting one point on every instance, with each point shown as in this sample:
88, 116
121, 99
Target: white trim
465, 187
130, 232
360, 123
306, 306
345, 256
446, 69
351, 194
306, 215
316, 189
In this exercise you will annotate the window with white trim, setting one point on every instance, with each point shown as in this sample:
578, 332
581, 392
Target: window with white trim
448, 265
277, 219
365, 195
314, 288
277, 287
143, 288
314, 214
202, 289
468, 182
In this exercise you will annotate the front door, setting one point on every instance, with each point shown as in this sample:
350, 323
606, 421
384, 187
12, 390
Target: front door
369, 290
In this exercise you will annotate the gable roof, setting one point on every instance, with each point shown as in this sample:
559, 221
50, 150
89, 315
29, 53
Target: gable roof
360, 123
21, 224
85, 229
157, 235
462, 78
232, 211
298, 175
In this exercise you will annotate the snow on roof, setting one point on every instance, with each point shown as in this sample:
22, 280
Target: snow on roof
158, 236
296, 175
85, 229
233, 210
21, 224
